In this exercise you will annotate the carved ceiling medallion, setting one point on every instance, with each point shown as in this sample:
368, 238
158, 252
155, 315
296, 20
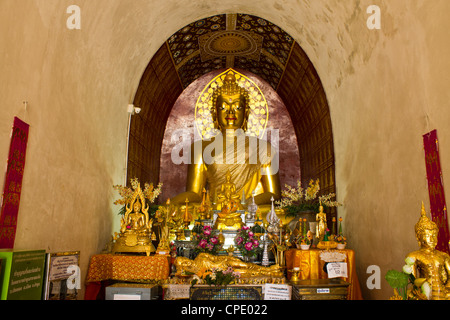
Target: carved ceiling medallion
230, 43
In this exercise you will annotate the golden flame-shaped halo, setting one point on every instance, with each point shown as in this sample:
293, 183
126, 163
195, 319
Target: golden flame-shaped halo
259, 110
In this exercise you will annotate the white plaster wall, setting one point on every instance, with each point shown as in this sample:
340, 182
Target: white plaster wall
385, 88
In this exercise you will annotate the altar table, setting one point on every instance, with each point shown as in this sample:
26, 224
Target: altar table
104, 268
311, 267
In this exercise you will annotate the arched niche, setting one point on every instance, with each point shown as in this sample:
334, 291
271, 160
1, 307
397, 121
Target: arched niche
282, 64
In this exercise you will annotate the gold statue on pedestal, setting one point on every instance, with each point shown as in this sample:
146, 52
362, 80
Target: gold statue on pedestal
251, 169
207, 261
228, 218
136, 227
162, 216
321, 219
429, 263
227, 197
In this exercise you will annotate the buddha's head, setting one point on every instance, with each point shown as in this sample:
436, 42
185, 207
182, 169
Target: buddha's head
426, 231
137, 206
230, 105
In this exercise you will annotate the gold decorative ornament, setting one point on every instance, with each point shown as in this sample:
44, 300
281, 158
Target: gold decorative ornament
427, 262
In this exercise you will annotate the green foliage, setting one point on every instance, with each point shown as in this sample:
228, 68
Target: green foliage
397, 279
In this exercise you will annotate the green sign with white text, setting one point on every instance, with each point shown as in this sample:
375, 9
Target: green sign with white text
22, 274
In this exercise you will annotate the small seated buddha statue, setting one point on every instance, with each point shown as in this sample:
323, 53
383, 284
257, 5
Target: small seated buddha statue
429, 263
214, 161
136, 227
227, 195
136, 220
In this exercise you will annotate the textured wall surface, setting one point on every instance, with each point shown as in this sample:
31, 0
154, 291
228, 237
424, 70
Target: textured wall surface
385, 89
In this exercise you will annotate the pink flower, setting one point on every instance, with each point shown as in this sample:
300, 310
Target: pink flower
248, 246
245, 228
203, 243
250, 234
206, 232
214, 240
239, 240
255, 243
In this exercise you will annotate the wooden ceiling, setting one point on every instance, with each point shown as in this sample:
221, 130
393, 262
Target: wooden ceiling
244, 42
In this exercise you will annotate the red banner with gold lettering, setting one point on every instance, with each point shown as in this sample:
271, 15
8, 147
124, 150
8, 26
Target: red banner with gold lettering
438, 207
13, 183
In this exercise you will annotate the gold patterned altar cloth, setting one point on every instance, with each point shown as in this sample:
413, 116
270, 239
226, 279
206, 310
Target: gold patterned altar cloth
311, 267
106, 267
128, 268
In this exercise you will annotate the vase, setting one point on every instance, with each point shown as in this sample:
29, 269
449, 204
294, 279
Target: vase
305, 246
340, 246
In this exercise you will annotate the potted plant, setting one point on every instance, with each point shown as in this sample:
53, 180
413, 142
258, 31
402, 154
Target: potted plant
341, 242
305, 241
297, 199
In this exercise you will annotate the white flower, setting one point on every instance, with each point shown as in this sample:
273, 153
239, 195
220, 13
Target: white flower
426, 289
407, 269
410, 261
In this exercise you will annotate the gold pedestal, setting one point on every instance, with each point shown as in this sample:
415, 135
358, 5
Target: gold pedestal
327, 245
127, 244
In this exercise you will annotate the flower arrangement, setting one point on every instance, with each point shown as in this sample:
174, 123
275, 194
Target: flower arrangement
247, 242
306, 238
406, 286
340, 239
205, 241
296, 199
217, 277
126, 194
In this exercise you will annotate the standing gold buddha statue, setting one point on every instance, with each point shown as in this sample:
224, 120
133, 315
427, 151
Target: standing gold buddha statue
211, 160
429, 263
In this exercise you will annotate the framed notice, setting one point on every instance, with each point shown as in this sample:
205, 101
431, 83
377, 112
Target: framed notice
62, 273
22, 274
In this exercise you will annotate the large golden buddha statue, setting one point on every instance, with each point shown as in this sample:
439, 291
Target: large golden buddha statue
429, 263
231, 157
